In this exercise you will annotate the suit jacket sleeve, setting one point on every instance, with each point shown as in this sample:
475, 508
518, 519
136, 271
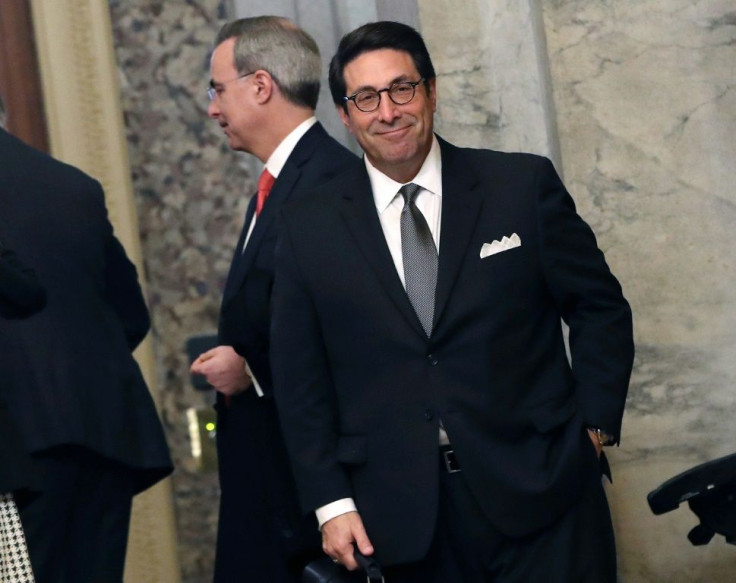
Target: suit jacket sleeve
302, 385
591, 303
121, 288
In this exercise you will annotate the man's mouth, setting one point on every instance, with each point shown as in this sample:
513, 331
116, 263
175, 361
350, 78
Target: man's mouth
393, 132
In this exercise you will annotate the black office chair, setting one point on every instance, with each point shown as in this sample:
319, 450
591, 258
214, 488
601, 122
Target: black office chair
710, 491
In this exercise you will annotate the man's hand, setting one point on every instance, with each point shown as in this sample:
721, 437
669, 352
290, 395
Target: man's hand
596, 443
338, 535
223, 368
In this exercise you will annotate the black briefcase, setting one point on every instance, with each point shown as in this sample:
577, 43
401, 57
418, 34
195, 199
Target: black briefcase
323, 570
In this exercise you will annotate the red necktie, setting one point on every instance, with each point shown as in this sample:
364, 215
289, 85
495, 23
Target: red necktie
265, 182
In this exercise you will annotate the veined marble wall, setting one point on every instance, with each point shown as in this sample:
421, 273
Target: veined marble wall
645, 94
638, 100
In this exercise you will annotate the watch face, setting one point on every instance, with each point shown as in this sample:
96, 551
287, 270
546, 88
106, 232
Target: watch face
605, 438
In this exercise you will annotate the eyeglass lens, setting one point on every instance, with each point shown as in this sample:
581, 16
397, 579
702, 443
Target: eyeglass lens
399, 93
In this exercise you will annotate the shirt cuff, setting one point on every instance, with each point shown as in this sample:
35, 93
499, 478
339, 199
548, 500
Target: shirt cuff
256, 386
334, 509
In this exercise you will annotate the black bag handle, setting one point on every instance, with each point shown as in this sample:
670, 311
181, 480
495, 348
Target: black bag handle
370, 566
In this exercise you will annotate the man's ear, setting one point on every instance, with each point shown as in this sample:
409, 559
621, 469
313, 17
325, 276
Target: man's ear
264, 86
432, 92
344, 116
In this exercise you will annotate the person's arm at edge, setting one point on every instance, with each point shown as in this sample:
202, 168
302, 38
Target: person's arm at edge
591, 302
305, 400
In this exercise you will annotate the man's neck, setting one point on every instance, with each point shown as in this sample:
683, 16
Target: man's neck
282, 123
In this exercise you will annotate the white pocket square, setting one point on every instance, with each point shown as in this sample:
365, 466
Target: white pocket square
497, 246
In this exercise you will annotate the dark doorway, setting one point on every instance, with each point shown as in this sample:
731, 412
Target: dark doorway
20, 82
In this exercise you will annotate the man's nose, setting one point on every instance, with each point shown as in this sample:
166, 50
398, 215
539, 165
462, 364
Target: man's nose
387, 109
213, 110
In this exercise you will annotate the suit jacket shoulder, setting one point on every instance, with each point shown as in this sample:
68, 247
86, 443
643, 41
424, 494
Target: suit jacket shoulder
85, 388
245, 312
22, 162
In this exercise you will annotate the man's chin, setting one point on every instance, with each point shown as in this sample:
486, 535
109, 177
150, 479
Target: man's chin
234, 143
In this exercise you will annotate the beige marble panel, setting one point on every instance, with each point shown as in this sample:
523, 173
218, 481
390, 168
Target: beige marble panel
646, 108
643, 100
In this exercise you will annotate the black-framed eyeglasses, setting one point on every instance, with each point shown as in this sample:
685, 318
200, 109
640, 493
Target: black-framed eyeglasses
215, 89
401, 93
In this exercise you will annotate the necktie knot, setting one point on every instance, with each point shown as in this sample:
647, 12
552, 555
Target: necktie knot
410, 192
265, 183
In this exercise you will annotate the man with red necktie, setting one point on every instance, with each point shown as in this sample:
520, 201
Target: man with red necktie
265, 107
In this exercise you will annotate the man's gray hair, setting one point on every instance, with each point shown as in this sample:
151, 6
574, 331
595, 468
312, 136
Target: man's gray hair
277, 45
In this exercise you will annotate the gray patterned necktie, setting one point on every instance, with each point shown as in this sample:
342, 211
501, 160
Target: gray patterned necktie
420, 257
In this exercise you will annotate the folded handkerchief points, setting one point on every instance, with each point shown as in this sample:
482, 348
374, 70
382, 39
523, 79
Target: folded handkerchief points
497, 246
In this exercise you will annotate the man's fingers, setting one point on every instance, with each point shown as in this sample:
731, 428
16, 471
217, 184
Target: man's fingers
596, 444
340, 533
204, 357
362, 540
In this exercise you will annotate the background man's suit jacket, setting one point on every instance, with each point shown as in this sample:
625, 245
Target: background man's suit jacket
68, 372
261, 526
21, 295
361, 389
245, 312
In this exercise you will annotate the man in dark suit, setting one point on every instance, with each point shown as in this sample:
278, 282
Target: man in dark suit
265, 78
71, 383
420, 370
21, 295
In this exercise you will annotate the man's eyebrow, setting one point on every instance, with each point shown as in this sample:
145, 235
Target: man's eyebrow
399, 79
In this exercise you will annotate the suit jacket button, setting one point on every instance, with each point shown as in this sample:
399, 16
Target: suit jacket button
432, 359
429, 415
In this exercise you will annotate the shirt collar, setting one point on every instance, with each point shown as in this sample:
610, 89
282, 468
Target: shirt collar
280, 155
429, 178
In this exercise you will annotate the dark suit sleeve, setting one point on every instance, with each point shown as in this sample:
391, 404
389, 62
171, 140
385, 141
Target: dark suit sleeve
121, 288
302, 384
20, 292
590, 301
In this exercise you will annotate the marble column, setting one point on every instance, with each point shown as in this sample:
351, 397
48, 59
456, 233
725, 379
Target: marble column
492, 74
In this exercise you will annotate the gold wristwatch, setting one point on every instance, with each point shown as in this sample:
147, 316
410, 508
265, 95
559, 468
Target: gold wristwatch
603, 437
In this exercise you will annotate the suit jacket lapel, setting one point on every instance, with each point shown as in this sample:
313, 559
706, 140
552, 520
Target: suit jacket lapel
461, 206
235, 273
283, 187
358, 209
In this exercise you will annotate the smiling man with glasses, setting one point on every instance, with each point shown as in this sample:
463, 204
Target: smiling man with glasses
427, 401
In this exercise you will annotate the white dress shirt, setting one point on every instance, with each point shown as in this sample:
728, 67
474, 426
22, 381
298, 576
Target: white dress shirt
275, 164
389, 204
